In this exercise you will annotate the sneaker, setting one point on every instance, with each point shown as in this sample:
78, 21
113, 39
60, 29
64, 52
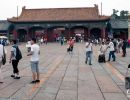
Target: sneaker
12, 75
1, 82
37, 81
17, 77
33, 82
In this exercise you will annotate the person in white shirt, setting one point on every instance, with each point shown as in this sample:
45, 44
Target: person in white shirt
103, 48
34, 53
119, 45
111, 51
88, 52
1, 55
41, 41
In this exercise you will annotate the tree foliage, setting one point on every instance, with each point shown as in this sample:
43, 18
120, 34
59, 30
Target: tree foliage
123, 14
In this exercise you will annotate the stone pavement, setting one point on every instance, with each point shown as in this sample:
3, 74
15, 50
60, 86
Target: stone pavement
66, 77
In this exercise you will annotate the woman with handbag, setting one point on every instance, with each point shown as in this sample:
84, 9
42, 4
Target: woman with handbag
101, 57
2, 61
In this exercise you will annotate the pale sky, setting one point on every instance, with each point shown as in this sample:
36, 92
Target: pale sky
8, 8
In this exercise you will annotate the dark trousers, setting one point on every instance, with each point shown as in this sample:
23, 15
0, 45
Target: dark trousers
113, 55
15, 66
124, 52
71, 48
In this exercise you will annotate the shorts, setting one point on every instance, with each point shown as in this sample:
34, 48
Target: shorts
34, 66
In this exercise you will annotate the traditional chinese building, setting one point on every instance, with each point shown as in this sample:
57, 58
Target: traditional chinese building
4, 25
119, 28
54, 22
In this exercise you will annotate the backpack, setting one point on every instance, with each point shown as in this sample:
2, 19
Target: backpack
18, 53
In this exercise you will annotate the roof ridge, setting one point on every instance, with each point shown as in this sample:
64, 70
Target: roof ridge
57, 14
60, 8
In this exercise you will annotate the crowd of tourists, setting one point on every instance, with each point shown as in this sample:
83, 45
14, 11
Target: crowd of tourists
113, 46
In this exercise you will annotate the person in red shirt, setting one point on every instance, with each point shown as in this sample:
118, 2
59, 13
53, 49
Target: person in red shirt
71, 45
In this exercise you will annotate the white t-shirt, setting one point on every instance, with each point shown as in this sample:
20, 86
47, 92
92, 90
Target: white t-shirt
35, 49
28, 44
41, 40
111, 45
89, 48
1, 52
103, 48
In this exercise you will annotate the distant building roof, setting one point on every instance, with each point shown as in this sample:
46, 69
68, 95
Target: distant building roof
59, 14
4, 25
119, 24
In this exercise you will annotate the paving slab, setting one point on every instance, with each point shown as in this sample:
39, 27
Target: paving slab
65, 76
91, 96
115, 96
67, 95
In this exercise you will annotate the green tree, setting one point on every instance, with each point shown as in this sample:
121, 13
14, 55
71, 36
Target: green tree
123, 14
114, 14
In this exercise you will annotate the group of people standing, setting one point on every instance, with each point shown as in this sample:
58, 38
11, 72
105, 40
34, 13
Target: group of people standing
113, 45
16, 56
43, 40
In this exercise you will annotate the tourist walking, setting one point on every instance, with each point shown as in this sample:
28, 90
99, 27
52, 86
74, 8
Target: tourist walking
2, 57
41, 40
119, 45
103, 48
45, 40
88, 52
111, 51
34, 53
70, 45
62, 41
15, 56
124, 44
115, 45
101, 57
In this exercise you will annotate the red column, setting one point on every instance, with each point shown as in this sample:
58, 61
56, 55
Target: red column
85, 33
28, 37
69, 33
88, 33
103, 33
14, 34
45, 32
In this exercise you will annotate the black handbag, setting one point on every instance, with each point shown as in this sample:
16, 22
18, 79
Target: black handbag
3, 57
127, 79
